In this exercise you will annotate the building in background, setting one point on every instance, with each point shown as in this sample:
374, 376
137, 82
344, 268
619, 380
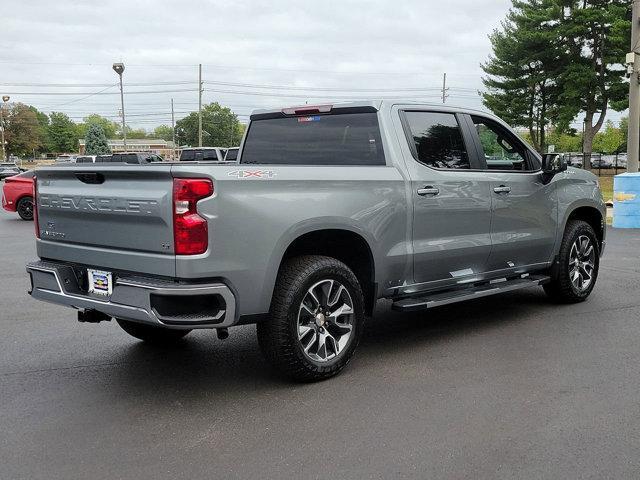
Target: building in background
163, 148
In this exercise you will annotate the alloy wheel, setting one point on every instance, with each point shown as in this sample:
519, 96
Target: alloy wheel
582, 260
325, 320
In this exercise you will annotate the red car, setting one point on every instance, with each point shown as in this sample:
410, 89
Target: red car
17, 194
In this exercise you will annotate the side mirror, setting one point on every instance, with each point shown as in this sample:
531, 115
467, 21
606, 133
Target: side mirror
553, 163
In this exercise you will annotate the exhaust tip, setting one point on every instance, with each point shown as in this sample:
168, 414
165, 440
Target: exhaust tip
223, 333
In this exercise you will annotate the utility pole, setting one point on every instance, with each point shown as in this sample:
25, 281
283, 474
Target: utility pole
633, 65
5, 99
200, 105
173, 133
119, 69
444, 88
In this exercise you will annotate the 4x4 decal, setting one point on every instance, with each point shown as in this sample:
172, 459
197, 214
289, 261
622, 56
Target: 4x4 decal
252, 173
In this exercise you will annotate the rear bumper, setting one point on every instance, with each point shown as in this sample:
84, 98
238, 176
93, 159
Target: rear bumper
141, 299
9, 207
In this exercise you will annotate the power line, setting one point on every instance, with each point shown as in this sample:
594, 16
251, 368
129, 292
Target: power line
236, 84
80, 85
239, 67
320, 89
88, 96
102, 92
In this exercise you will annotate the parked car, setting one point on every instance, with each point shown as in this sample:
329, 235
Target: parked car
8, 169
86, 159
203, 154
129, 157
17, 194
232, 154
575, 159
330, 209
65, 158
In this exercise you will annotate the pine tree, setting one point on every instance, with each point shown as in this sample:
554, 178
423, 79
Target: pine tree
521, 83
555, 59
596, 35
96, 141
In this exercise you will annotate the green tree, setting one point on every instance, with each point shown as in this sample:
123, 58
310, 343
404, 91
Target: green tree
165, 132
624, 128
96, 141
43, 126
609, 140
595, 35
220, 127
136, 133
62, 133
564, 140
23, 132
108, 127
521, 73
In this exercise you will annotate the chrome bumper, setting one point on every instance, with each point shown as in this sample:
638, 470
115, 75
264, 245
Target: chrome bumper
141, 299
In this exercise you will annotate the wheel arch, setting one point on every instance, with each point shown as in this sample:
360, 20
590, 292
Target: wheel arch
590, 214
344, 244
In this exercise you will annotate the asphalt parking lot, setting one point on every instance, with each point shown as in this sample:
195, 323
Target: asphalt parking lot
502, 387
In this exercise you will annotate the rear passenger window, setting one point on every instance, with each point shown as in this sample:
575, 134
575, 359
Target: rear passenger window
437, 140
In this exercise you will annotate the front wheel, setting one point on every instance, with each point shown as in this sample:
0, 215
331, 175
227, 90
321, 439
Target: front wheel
25, 208
151, 333
576, 270
316, 318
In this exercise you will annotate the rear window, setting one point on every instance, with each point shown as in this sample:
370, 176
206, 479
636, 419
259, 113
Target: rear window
84, 160
338, 139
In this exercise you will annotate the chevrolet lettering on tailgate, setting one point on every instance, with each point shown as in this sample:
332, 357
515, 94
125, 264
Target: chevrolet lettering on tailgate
101, 204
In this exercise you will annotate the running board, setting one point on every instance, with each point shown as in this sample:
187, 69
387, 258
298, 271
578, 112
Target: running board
484, 290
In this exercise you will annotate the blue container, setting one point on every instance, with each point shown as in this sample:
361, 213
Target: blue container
626, 200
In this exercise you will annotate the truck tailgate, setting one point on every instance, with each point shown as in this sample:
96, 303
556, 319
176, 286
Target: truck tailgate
117, 216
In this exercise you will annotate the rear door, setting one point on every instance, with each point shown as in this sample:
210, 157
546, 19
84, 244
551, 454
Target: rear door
524, 219
451, 199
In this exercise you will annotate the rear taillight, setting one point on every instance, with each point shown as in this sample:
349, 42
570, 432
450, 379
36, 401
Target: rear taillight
36, 224
190, 232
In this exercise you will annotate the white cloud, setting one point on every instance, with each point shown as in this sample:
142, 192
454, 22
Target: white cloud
373, 44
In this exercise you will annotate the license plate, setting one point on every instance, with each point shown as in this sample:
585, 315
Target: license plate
100, 282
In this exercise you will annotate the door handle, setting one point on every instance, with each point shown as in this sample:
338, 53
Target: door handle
502, 189
428, 190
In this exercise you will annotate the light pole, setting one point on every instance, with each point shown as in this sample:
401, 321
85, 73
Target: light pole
119, 69
5, 99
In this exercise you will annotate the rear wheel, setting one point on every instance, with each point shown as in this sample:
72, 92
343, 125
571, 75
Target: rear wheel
25, 208
317, 318
575, 273
150, 333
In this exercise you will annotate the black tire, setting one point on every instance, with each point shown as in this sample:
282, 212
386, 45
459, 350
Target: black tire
278, 336
561, 288
24, 207
150, 333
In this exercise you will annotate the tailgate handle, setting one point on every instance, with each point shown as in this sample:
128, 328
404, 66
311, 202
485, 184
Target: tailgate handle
90, 177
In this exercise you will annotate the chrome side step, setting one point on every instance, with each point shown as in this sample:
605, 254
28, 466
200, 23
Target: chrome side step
453, 296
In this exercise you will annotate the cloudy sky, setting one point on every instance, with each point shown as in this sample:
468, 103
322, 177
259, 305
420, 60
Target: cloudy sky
254, 54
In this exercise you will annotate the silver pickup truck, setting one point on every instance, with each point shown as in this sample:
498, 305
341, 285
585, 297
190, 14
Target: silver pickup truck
330, 208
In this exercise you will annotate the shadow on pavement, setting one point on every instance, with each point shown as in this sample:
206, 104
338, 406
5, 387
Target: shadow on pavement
202, 365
